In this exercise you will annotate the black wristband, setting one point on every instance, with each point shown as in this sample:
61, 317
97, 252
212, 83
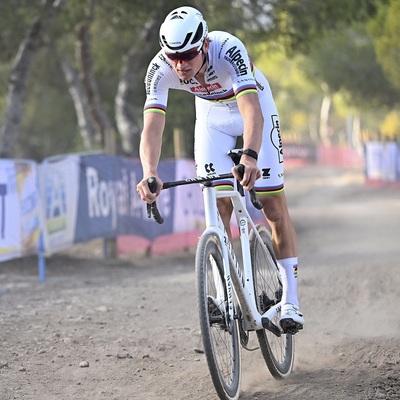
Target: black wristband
251, 153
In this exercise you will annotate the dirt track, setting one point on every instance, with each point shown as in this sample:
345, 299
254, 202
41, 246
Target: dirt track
134, 321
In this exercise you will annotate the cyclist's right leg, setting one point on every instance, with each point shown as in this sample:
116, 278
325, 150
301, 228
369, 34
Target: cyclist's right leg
225, 209
216, 132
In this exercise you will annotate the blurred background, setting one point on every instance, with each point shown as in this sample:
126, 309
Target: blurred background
72, 71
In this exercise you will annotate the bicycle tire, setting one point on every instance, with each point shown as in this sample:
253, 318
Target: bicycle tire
219, 333
278, 351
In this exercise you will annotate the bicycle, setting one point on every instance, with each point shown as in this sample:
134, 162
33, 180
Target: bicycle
236, 296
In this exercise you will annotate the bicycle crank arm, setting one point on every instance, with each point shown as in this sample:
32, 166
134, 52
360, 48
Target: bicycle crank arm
269, 325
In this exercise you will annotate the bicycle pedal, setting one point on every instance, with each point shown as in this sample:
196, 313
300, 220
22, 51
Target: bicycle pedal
270, 326
290, 326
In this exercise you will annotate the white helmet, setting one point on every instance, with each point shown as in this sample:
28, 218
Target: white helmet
183, 29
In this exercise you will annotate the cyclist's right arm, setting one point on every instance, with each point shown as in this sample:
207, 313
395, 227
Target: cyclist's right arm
150, 152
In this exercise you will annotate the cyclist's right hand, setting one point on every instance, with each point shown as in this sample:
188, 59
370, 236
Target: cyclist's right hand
144, 191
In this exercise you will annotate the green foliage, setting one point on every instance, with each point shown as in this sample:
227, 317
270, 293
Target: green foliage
346, 61
326, 41
15, 18
297, 23
386, 31
297, 98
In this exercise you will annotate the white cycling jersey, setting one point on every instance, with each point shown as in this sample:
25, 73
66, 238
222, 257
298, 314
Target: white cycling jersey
229, 74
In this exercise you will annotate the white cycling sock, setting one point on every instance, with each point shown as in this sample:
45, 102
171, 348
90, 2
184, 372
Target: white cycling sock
288, 271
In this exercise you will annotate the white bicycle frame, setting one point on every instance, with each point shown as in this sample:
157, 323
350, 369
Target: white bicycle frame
239, 281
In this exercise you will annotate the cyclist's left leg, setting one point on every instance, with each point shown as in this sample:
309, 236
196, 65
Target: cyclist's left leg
270, 189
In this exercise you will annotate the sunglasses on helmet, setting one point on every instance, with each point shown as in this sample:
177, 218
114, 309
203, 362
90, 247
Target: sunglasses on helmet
186, 56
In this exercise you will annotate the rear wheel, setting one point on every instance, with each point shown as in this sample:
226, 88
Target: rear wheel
219, 331
277, 348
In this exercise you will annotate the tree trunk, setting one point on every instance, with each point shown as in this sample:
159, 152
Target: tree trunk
127, 123
17, 90
324, 120
80, 103
125, 119
19, 77
105, 132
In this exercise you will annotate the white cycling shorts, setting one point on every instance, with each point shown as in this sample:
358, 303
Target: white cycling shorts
218, 125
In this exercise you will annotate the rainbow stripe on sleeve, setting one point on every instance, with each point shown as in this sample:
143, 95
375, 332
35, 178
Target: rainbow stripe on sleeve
246, 89
155, 108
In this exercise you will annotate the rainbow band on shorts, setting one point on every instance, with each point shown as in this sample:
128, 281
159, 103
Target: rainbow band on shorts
261, 191
269, 190
223, 185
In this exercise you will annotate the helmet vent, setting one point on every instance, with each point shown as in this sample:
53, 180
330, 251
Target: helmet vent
198, 35
176, 15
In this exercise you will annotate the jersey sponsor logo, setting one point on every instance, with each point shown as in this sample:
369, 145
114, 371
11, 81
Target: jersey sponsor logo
209, 168
213, 87
266, 173
210, 70
222, 46
164, 59
154, 68
187, 81
276, 138
234, 56
259, 86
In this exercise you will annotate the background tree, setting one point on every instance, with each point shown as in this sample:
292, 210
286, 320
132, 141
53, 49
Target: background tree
19, 75
122, 36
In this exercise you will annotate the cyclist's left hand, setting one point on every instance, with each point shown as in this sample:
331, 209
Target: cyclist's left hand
251, 172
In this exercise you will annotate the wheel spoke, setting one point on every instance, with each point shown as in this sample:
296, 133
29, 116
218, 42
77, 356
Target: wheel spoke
278, 351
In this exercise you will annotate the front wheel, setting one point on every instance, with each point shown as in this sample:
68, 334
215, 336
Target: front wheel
277, 350
219, 331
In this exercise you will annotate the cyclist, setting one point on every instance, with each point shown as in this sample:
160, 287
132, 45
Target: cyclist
232, 99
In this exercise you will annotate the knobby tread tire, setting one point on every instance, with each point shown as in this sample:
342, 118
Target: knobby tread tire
220, 337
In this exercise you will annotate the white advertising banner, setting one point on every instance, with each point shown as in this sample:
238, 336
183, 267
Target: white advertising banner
382, 161
59, 183
19, 209
188, 204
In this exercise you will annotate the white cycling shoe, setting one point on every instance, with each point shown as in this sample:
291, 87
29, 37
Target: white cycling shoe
292, 319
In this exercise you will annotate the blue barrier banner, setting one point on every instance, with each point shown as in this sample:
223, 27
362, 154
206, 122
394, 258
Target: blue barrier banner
382, 161
108, 205
92, 195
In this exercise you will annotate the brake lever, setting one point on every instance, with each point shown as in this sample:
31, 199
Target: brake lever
253, 195
152, 209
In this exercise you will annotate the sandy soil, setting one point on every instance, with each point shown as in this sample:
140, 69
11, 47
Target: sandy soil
127, 329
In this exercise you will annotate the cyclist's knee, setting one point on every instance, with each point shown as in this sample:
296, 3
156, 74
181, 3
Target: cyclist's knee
274, 207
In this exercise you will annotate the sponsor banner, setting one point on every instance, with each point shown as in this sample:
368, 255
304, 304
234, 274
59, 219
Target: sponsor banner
189, 207
19, 209
300, 151
108, 204
59, 186
382, 161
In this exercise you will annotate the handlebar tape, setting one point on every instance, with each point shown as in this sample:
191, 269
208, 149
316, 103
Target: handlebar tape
152, 209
